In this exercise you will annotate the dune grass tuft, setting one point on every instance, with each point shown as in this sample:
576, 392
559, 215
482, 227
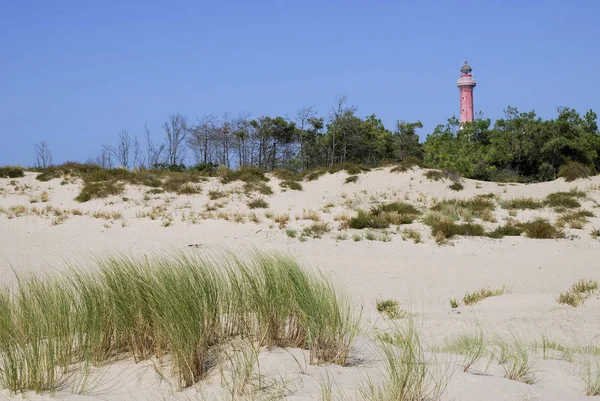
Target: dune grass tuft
11, 172
258, 203
351, 179
541, 228
566, 200
579, 292
472, 298
183, 307
99, 190
289, 184
390, 308
522, 204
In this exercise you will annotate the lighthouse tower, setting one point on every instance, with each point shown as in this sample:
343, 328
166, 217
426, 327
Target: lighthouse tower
465, 84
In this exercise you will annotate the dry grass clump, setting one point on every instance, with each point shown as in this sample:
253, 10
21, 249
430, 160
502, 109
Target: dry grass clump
351, 179
105, 215
350, 168
578, 292
281, 219
565, 200
595, 233
289, 184
215, 194
11, 172
310, 215
99, 190
541, 228
257, 186
476, 207
258, 204
411, 234
472, 298
183, 184
185, 309
574, 218
390, 308
591, 378
522, 203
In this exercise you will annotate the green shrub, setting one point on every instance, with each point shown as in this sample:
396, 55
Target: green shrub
258, 204
316, 230
541, 228
257, 186
351, 179
408, 163
442, 227
11, 172
216, 194
99, 190
573, 170
314, 175
289, 184
291, 233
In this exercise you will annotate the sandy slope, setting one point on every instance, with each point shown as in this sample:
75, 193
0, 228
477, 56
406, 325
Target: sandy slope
422, 276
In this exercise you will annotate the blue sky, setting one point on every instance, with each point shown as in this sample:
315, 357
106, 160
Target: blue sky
75, 73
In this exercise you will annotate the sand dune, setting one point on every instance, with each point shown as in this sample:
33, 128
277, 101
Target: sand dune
43, 237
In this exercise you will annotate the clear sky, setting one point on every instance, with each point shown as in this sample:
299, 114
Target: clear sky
75, 73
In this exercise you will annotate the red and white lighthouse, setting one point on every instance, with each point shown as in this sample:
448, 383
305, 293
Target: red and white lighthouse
465, 84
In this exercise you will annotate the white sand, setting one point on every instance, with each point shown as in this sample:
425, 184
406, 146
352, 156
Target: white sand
423, 277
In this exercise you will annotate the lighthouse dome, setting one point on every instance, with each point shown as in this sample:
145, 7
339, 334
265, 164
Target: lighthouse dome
466, 68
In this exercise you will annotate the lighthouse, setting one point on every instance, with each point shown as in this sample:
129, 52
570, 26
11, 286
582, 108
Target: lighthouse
465, 84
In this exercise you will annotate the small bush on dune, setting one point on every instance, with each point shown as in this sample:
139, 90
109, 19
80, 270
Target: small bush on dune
383, 215
566, 200
574, 218
99, 190
367, 220
258, 204
522, 203
574, 170
438, 175
456, 186
443, 228
216, 194
316, 230
507, 230
257, 186
245, 174
314, 175
11, 172
541, 228
408, 163
289, 184
351, 179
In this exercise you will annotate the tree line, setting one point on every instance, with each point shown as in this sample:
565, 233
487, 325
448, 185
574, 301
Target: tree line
519, 147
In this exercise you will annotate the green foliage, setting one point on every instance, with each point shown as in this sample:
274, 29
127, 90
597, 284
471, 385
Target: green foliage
520, 147
573, 170
257, 186
383, 215
454, 303
407, 163
247, 174
11, 172
578, 292
99, 190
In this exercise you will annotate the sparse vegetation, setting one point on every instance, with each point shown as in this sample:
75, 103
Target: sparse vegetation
566, 200
572, 170
216, 194
411, 234
454, 303
456, 186
507, 230
316, 230
291, 233
574, 218
383, 215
